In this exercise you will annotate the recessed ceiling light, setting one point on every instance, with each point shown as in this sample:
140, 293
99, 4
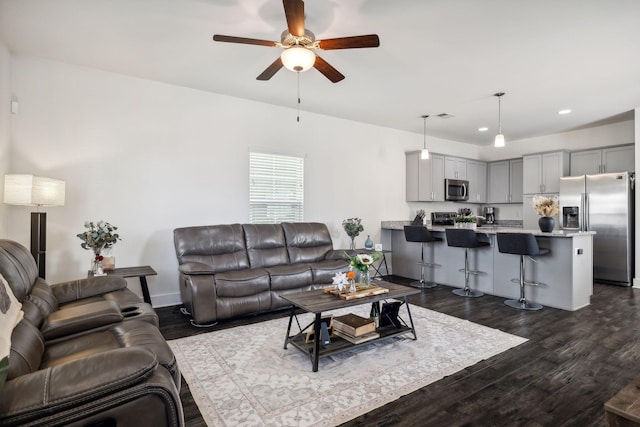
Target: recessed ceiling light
483, 129
565, 111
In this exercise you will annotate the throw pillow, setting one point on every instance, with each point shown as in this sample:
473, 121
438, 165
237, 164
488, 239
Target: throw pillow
10, 315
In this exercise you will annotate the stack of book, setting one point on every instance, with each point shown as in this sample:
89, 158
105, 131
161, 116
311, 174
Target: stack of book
354, 328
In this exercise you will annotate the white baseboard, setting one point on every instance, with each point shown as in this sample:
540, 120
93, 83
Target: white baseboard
636, 282
166, 300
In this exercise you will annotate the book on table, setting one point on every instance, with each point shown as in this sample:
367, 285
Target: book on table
359, 339
353, 325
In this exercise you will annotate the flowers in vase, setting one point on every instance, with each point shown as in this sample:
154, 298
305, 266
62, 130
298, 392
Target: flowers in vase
99, 235
545, 205
361, 262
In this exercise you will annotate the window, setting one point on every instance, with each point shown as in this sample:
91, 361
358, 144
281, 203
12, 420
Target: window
276, 188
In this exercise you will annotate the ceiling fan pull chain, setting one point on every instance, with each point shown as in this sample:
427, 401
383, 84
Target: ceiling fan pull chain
298, 118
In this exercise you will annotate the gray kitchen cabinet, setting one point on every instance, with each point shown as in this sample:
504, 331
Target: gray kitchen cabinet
477, 176
425, 178
612, 159
504, 181
542, 172
455, 168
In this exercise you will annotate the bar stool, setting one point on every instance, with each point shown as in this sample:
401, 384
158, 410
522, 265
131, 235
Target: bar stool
420, 234
523, 244
467, 239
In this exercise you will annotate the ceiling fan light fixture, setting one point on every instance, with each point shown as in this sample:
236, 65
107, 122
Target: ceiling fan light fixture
298, 58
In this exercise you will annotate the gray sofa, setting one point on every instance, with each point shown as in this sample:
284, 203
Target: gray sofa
87, 353
239, 269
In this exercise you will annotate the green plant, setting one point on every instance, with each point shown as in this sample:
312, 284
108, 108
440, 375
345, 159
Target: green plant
352, 227
465, 219
361, 262
99, 235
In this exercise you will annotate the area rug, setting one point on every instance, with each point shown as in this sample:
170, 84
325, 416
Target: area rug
244, 377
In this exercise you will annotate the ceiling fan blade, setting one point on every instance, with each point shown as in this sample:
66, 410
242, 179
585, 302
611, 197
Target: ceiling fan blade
354, 42
243, 40
271, 70
294, 11
329, 72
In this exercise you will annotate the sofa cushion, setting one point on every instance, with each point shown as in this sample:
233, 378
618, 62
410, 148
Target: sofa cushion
220, 246
18, 267
241, 283
307, 242
324, 271
27, 348
290, 276
266, 245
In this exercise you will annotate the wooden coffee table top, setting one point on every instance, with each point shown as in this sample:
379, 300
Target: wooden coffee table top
317, 301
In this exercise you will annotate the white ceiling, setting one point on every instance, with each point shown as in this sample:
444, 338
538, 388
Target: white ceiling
435, 56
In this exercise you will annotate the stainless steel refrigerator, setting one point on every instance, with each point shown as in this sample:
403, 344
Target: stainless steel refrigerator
603, 203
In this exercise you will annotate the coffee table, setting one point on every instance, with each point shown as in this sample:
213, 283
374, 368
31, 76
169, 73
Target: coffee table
318, 302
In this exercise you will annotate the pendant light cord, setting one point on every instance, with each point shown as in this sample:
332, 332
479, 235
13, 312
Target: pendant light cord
499, 114
424, 133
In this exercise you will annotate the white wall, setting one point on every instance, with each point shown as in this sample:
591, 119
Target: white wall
5, 129
150, 157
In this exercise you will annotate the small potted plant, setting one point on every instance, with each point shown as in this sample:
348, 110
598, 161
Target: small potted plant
546, 207
353, 227
466, 221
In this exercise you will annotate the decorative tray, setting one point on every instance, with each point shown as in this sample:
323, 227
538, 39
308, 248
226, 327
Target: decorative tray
359, 293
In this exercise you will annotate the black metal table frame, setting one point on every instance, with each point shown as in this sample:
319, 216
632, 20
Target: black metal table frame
314, 355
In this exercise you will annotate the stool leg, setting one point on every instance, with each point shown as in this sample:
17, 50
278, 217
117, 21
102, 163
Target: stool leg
467, 292
422, 284
522, 303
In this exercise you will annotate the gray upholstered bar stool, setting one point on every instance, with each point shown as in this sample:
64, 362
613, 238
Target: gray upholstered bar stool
467, 239
420, 234
523, 244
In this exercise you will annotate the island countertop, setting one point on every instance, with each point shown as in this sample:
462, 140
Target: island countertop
490, 229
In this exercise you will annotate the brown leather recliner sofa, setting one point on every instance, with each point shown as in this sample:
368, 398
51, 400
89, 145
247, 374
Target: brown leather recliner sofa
87, 353
238, 269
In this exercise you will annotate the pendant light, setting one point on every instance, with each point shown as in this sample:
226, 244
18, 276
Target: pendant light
499, 141
424, 154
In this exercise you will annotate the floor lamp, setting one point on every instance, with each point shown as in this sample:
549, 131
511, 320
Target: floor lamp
38, 191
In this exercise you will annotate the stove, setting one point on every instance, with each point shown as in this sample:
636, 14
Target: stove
443, 218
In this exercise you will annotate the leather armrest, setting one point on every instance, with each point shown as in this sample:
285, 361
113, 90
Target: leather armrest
80, 318
85, 288
77, 382
195, 268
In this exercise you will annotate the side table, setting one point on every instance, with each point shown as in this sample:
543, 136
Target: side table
141, 272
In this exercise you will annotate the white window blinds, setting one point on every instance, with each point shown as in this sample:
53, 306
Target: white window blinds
276, 188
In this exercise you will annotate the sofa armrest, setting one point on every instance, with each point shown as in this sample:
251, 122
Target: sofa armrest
80, 318
195, 269
336, 254
82, 381
85, 288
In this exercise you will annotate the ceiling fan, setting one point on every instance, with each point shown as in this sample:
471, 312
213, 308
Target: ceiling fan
299, 45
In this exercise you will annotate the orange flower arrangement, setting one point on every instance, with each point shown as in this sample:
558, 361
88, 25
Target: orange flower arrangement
351, 275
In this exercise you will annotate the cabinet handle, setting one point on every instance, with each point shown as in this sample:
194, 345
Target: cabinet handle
604, 168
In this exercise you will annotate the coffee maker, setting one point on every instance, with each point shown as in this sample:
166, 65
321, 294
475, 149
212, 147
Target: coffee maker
490, 214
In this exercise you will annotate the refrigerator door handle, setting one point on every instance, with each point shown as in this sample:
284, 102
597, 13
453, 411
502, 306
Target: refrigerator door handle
585, 212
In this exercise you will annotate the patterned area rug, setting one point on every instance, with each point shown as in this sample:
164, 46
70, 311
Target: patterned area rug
244, 377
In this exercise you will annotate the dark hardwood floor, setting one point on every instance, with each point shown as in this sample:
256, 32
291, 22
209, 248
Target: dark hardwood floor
572, 364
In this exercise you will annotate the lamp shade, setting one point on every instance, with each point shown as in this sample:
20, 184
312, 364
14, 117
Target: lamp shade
298, 58
424, 154
33, 190
499, 141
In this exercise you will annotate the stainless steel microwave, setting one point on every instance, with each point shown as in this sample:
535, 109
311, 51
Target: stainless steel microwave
456, 190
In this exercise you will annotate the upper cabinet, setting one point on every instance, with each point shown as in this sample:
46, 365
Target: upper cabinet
455, 168
542, 172
613, 159
504, 181
425, 178
477, 176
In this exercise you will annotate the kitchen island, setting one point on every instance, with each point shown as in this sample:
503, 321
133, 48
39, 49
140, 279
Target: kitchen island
566, 273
